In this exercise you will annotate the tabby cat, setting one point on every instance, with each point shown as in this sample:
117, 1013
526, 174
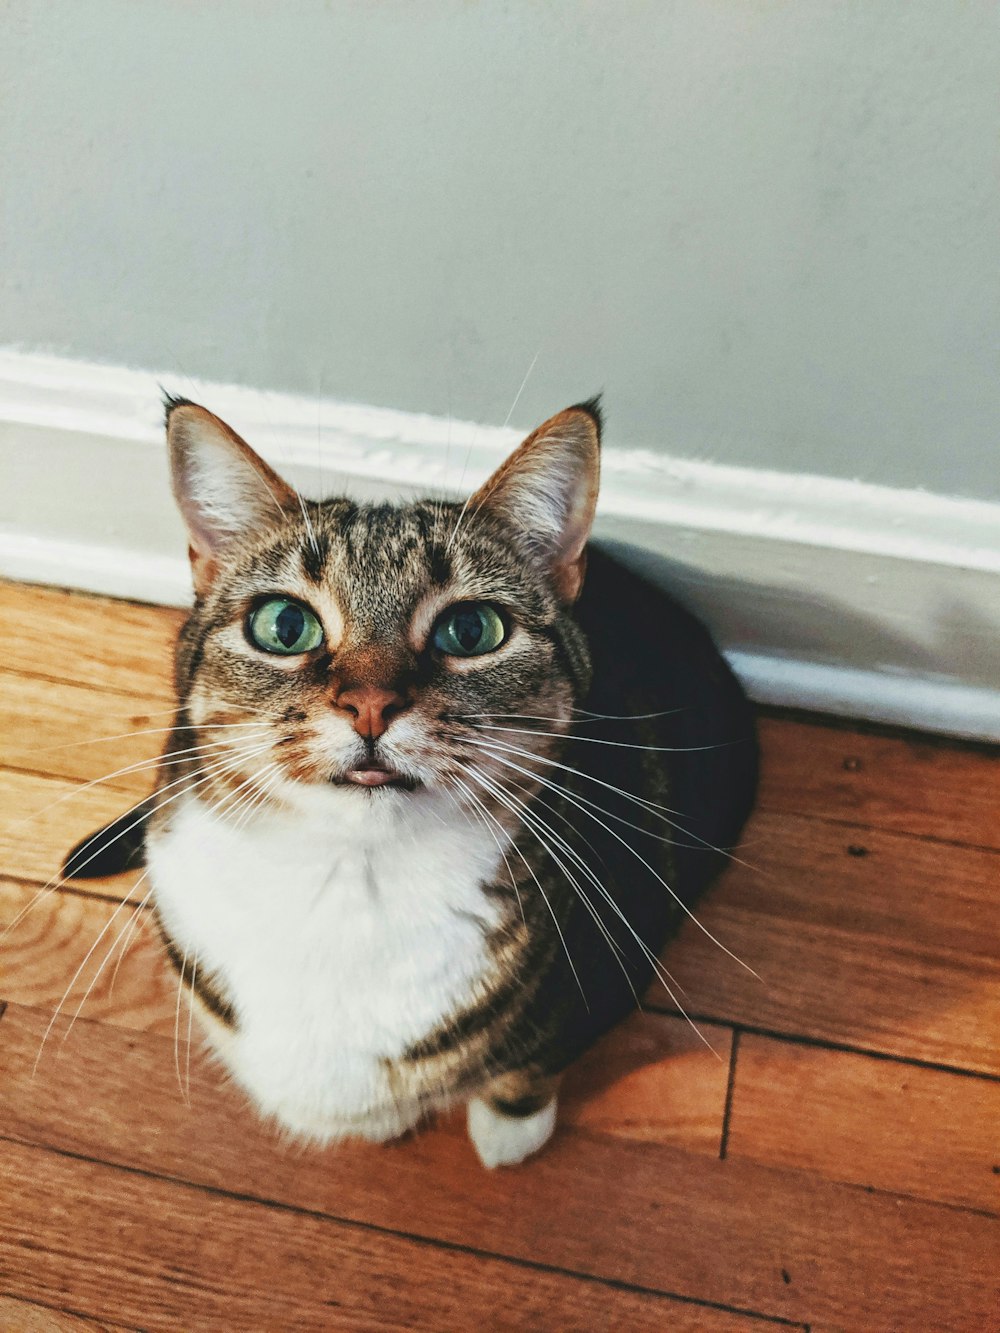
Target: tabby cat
443, 781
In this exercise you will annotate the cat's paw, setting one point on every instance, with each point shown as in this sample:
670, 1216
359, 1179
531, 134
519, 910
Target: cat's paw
505, 1140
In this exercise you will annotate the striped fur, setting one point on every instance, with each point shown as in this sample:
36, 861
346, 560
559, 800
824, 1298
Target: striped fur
367, 955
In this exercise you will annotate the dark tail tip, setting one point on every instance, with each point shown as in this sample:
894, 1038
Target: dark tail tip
119, 846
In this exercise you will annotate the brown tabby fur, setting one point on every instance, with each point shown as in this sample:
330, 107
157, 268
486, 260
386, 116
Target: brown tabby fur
680, 738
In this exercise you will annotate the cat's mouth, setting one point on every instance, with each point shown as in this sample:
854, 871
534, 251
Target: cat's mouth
374, 774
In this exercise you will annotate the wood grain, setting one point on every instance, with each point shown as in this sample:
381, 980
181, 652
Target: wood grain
875, 940
43, 818
924, 786
25, 1317
871, 1122
43, 961
180, 1257
60, 730
653, 1080
784, 1243
96, 641
846, 1196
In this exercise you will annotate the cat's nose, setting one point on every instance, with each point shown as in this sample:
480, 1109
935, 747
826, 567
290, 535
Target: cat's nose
370, 708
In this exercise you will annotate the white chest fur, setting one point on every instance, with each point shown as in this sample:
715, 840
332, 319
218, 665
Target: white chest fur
342, 934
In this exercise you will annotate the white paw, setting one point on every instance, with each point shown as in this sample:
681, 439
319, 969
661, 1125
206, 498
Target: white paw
504, 1140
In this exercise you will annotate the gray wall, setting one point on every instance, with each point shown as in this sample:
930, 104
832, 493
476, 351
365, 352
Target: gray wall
768, 230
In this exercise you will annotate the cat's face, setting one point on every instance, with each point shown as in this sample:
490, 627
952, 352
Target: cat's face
361, 650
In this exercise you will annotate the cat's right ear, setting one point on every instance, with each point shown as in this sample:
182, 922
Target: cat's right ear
221, 486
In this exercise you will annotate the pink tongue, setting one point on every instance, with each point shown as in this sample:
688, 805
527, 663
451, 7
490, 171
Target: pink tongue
369, 777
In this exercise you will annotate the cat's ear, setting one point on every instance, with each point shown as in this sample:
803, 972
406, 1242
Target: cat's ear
548, 488
221, 486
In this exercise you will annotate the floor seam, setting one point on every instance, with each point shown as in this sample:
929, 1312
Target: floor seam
727, 1109
618, 1284
824, 1043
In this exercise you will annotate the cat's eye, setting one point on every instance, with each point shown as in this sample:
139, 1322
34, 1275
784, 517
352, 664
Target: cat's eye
281, 625
469, 630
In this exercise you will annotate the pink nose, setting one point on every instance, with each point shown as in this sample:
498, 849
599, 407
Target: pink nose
370, 708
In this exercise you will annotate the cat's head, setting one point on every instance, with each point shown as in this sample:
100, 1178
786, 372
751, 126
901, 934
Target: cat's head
366, 649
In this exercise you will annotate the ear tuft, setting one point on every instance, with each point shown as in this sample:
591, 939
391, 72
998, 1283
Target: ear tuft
548, 489
171, 401
593, 409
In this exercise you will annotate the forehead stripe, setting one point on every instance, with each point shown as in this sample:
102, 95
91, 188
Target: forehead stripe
314, 553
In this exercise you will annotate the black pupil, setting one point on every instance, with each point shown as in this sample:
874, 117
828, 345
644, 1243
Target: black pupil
289, 624
467, 628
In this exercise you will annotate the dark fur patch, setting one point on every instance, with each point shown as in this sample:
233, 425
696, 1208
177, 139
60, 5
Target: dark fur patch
119, 846
171, 402
520, 1107
592, 407
210, 996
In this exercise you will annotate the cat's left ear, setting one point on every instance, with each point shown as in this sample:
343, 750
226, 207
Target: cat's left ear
548, 488
222, 488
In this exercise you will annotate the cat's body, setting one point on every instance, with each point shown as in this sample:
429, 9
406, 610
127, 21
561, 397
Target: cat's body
397, 871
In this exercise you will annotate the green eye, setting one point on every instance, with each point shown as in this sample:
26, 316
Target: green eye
469, 630
283, 626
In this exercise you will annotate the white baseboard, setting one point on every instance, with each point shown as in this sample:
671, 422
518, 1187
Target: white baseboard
834, 595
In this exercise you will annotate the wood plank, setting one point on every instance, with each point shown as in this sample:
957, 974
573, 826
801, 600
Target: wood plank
96, 641
60, 729
652, 1079
750, 1237
884, 942
867, 1121
43, 819
871, 939
198, 1260
653, 1083
41, 955
26, 1317
925, 786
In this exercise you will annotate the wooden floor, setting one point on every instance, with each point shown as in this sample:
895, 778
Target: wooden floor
833, 1163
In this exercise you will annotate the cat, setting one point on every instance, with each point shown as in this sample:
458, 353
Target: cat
444, 779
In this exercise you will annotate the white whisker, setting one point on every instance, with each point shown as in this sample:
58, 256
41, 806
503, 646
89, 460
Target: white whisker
208, 748
596, 740
108, 956
308, 521
108, 923
478, 812
660, 812
680, 902
149, 731
182, 977
659, 970
524, 383
187, 1077
587, 870
56, 882
500, 794
587, 716
126, 938
76, 975
669, 839
555, 920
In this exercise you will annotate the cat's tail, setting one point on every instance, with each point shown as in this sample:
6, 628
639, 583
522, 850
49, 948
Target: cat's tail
119, 846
